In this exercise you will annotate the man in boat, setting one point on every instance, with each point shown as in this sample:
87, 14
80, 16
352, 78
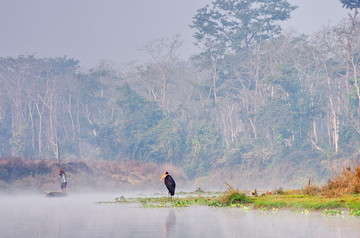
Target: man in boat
63, 180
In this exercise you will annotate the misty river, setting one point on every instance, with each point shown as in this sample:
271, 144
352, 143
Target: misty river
80, 216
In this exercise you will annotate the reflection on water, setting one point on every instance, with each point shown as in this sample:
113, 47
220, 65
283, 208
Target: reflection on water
170, 222
79, 216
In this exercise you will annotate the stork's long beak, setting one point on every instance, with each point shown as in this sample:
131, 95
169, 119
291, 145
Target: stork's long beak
163, 176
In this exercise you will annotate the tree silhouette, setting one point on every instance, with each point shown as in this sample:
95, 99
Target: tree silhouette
350, 4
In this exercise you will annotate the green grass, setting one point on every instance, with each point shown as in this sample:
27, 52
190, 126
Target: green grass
308, 202
355, 212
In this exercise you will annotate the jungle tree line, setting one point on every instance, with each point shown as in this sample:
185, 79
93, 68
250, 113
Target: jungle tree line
252, 88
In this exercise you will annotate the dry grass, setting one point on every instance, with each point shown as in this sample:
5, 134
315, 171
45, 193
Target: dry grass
344, 183
348, 182
311, 190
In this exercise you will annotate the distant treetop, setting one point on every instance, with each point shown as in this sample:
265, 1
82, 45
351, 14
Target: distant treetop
350, 4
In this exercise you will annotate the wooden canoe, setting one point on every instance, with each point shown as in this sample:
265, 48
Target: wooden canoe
56, 194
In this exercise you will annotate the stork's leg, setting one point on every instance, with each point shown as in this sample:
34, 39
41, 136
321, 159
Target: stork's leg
169, 196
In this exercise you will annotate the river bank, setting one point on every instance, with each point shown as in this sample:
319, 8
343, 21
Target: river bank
340, 194
291, 200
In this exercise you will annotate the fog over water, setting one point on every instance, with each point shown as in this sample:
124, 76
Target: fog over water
79, 216
90, 31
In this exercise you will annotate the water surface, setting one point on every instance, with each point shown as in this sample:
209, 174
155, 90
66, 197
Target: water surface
79, 216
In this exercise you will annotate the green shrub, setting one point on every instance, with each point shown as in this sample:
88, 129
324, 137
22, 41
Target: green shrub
233, 197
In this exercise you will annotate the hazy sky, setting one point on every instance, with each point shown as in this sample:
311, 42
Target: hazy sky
115, 30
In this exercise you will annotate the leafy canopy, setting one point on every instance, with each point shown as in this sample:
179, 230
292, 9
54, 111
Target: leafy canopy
234, 24
350, 4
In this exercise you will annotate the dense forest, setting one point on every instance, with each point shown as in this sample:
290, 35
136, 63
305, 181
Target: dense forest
256, 98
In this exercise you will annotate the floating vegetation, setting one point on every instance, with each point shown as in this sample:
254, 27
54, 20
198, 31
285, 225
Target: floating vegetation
245, 207
355, 212
120, 199
305, 211
144, 204
174, 202
332, 212
218, 204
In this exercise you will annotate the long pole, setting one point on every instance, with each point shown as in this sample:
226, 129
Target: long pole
58, 152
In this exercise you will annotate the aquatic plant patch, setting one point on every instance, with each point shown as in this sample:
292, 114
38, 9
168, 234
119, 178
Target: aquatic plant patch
355, 212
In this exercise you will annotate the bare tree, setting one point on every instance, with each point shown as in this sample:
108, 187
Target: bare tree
163, 55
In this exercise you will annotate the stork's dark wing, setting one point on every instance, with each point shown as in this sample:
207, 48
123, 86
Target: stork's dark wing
170, 184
